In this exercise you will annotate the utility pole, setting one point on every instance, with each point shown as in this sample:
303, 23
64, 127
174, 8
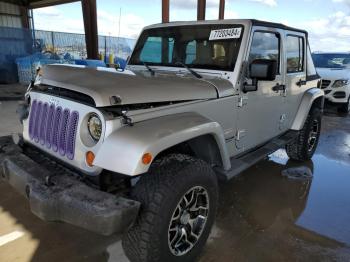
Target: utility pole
222, 9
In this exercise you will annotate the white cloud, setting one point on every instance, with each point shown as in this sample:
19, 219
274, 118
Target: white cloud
130, 24
229, 14
213, 14
48, 11
347, 2
270, 3
330, 33
52, 19
192, 4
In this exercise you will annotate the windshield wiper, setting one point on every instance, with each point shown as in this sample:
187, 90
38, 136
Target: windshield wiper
149, 68
189, 69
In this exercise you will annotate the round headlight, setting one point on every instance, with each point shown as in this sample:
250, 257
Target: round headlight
95, 127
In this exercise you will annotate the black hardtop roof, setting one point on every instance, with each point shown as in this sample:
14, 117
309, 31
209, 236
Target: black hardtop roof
224, 21
277, 25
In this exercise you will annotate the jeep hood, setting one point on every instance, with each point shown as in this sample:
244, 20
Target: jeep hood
334, 73
132, 88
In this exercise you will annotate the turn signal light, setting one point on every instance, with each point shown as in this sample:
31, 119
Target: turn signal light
90, 157
147, 159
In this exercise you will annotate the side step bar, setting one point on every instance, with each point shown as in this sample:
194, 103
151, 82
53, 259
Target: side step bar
242, 163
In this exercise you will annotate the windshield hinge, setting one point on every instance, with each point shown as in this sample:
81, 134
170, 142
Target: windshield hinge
240, 134
242, 101
126, 120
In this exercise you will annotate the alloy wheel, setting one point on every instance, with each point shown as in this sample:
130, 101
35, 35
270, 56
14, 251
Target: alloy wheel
188, 221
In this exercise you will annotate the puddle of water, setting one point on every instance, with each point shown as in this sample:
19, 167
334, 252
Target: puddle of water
328, 204
296, 210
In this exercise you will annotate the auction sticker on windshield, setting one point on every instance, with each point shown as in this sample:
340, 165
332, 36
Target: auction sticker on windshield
228, 33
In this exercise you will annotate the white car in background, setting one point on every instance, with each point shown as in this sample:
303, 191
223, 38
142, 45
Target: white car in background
334, 69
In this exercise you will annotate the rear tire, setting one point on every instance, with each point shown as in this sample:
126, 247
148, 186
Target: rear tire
304, 146
178, 199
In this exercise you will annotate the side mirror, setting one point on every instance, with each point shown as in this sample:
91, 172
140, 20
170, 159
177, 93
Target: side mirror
263, 69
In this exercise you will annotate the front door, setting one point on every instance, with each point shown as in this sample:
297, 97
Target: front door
261, 113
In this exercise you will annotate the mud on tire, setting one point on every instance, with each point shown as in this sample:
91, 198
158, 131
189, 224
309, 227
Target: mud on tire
161, 193
304, 146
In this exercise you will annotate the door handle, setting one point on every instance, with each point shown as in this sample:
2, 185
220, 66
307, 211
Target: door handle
301, 83
278, 88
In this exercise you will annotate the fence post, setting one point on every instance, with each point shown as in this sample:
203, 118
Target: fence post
53, 41
105, 54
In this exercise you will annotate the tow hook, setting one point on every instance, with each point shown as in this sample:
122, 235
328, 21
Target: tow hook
48, 181
22, 111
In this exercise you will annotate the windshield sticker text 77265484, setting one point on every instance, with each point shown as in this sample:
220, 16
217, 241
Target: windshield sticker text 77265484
228, 33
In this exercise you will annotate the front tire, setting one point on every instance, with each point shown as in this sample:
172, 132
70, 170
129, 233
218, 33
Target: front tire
178, 199
304, 146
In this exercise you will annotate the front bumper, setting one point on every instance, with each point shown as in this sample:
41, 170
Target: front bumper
337, 95
64, 198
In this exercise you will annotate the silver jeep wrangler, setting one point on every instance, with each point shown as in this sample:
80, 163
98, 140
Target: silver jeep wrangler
140, 151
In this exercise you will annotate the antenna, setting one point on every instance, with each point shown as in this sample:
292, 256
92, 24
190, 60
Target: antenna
120, 18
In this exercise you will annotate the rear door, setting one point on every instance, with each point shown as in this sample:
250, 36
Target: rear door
261, 112
296, 84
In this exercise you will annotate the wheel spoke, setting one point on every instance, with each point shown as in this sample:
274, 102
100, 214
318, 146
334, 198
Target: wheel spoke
177, 236
313, 135
177, 213
196, 226
192, 197
182, 237
198, 208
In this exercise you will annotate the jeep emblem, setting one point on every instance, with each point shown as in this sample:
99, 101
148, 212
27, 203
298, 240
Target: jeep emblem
53, 101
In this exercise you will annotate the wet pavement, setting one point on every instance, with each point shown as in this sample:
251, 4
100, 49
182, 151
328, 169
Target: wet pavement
278, 210
9, 123
12, 92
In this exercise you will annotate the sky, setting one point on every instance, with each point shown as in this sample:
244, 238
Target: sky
327, 21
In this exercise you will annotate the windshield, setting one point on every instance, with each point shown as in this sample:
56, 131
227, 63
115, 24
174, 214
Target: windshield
332, 60
200, 46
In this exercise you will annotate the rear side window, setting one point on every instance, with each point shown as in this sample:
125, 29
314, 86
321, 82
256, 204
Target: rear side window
295, 54
311, 70
265, 46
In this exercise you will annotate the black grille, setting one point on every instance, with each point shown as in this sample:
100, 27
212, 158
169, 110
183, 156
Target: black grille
325, 84
65, 93
339, 94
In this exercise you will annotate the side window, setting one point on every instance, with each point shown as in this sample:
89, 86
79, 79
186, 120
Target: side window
191, 52
153, 50
295, 54
311, 70
265, 46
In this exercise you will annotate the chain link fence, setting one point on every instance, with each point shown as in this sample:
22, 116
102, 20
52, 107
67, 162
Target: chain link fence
74, 44
17, 43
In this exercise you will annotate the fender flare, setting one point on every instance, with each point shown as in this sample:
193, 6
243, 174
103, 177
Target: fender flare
309, 98
122, 150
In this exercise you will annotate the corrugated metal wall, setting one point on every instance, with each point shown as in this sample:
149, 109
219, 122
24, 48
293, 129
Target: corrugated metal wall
10, 15
15, 41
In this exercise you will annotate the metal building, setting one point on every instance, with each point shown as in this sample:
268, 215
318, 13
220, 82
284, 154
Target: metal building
10, 15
